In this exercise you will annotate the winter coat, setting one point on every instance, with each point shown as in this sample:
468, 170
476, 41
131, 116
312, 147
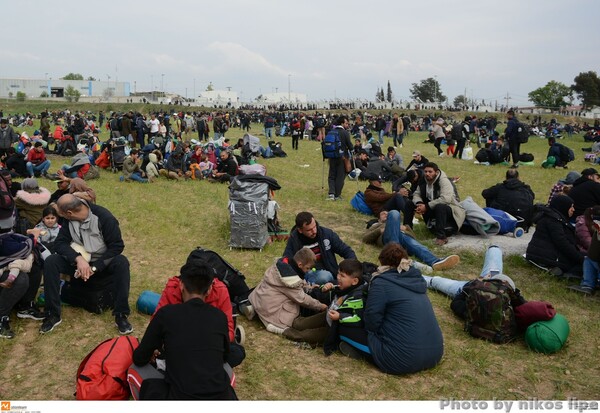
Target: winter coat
151, 169
511, 196
129, 167
553, 243
585, 193
329, 242
582, 233
7, 137
376, 197
443, 193
403, 333
277, 299
31, 205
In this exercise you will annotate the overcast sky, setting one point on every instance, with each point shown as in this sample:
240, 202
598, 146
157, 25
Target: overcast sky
325, 48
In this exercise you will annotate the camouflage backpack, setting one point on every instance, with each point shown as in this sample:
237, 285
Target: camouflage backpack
490, 314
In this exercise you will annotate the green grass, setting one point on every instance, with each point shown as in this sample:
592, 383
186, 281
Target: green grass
164, 221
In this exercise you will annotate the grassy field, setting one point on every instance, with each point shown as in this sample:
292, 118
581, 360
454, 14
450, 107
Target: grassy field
164, 221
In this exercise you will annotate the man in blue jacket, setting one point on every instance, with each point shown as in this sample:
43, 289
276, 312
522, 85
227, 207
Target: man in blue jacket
324, 242
511, 135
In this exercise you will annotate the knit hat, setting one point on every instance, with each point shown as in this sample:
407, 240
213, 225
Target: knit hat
506, 279
562, 204
30, 185
571, 178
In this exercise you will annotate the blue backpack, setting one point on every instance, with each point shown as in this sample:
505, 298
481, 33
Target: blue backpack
332, 145
358, 203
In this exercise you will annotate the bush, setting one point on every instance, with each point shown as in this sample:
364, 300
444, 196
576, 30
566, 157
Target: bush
21, 96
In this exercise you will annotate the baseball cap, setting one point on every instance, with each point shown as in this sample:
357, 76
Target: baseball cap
589, 171
416, 153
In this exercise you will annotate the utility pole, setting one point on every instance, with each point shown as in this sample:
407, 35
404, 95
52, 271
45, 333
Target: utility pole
162, 86
289, 89
507, 99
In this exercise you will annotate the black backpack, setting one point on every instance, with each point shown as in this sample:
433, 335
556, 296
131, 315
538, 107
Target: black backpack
526, 157
457, 132
566, 154
231, 277
482, 155
523, 132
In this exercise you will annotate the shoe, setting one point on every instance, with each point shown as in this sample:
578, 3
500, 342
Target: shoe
556, 271
274, 329
349, 351
581, 289
49, 323
515, 165
5, 331
331, 197
123, 325
337, 198
31, 312
425, 269
248, 310
446, 263
441, 241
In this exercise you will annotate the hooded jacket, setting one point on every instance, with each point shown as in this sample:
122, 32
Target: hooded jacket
277, 298
31, 205
512, 196
553, 243
443, 193
403, 332
151, 169
585, 193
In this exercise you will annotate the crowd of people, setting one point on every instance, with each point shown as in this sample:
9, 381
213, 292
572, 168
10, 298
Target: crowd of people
306, 295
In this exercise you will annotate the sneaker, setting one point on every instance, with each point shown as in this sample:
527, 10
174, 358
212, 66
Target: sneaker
123, 325
5, 331
248, 310
49, 323
581, 289
446, 263
274, 329
32, 313
349, 351
337, 198
331, 197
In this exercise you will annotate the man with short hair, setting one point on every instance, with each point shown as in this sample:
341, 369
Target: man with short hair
96, 262
193, 338
132, 171
324, 242
436, 199
226, 169
511, 134
512, 196
337, 171
378, 199
36, 161
586, 191
418, 161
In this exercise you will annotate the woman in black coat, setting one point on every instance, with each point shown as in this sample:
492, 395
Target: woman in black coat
554, 244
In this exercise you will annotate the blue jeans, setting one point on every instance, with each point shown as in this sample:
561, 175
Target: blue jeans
492, 265
392, 233
136, 176
268, 132
318, 277
381, 133
41, 168
591, 273
69, 175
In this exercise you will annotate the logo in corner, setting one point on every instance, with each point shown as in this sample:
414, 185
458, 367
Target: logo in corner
4, 406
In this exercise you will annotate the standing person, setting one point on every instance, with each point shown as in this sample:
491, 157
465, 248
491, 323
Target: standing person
45, 126
511, 135
296, 132
97, 231
439, 135
175, 125
337, 171
202, 128
7, 137
323, 242
193, 338
397, 130
154, 126
461, 139
380, 128
127, 128
269, 124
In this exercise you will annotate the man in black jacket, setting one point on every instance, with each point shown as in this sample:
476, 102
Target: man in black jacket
194, 341
512, 196
337, 171
88, 248
586, 191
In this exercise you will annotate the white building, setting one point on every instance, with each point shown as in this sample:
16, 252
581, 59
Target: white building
34, 88
218, 98
283, 98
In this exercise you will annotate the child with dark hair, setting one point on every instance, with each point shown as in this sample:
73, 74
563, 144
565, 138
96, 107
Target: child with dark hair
193, 337
48, 227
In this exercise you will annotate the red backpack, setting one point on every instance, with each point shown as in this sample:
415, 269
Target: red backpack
102, 375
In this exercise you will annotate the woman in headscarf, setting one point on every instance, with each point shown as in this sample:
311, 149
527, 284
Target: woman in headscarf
554, 244
30, 202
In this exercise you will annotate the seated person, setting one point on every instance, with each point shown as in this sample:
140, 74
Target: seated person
193, 339
512, 196
563, 186
280, 294
175, 167
48, 228
378, 199
31, 201
226, 169
492, 269
498, 152
132, 171
418, 161
584, 227
388, 229
98, 236
591, 263
15, 163
37, 164
403, 335
324, 242
218, 297
554, 245
560, 153
80, 165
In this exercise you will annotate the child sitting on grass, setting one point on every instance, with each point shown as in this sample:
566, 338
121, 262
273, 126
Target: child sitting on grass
48, 227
